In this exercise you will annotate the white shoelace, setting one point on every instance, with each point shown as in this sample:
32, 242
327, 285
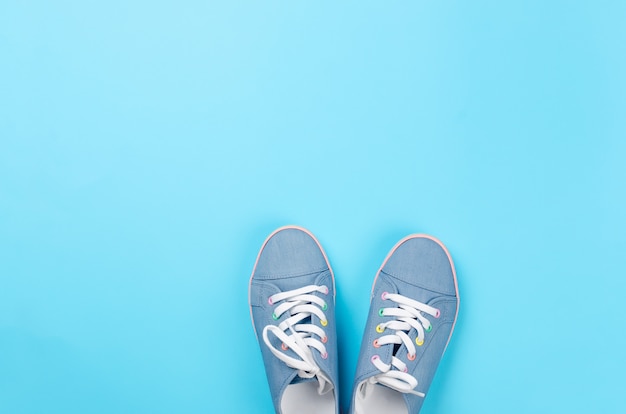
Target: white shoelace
301, 304
409, 314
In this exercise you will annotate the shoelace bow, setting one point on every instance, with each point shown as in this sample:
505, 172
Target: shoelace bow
301, 304
408, 315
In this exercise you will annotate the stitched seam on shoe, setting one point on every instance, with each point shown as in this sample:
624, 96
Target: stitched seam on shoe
273, 276
446, 300
262, 288
416, 284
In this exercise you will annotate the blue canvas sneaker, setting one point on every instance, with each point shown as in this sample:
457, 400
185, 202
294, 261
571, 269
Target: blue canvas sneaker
292, 305
413, 309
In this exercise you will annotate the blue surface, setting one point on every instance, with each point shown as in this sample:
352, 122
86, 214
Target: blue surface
148, 148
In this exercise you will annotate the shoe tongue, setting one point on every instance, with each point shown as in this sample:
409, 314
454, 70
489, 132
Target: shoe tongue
396, 347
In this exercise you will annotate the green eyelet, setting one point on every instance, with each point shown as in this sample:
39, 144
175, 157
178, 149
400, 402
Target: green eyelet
380, 312
430, 328
274, 316
325, 306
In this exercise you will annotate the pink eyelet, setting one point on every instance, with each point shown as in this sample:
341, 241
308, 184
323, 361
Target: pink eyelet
284, 347
405, 369
324, 355
375, 358
270, 301
383, 295
410, 357
324, 339
376, 344
438, 314
326, 290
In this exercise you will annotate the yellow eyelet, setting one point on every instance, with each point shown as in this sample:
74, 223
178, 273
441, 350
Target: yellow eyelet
380, 329
324, 322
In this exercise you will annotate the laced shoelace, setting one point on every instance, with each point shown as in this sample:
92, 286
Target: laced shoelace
300, 304
407, 315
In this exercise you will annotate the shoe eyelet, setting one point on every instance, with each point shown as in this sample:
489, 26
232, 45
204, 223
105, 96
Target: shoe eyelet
324, 355
324, 322
325, 307
284, 347
326, 290
270, 301
380, 328
410, 357
430, 328
275, 316
383, 296
324, 339
374, 358
418, 342
376, 344
381, 312
438, 314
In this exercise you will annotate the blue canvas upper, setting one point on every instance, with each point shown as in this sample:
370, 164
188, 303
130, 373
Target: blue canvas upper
418, 268
290, 259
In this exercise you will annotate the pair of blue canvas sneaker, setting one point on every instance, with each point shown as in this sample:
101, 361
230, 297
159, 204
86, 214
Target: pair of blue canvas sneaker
413, 309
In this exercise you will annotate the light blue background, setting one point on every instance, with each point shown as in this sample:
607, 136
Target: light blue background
147, 148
